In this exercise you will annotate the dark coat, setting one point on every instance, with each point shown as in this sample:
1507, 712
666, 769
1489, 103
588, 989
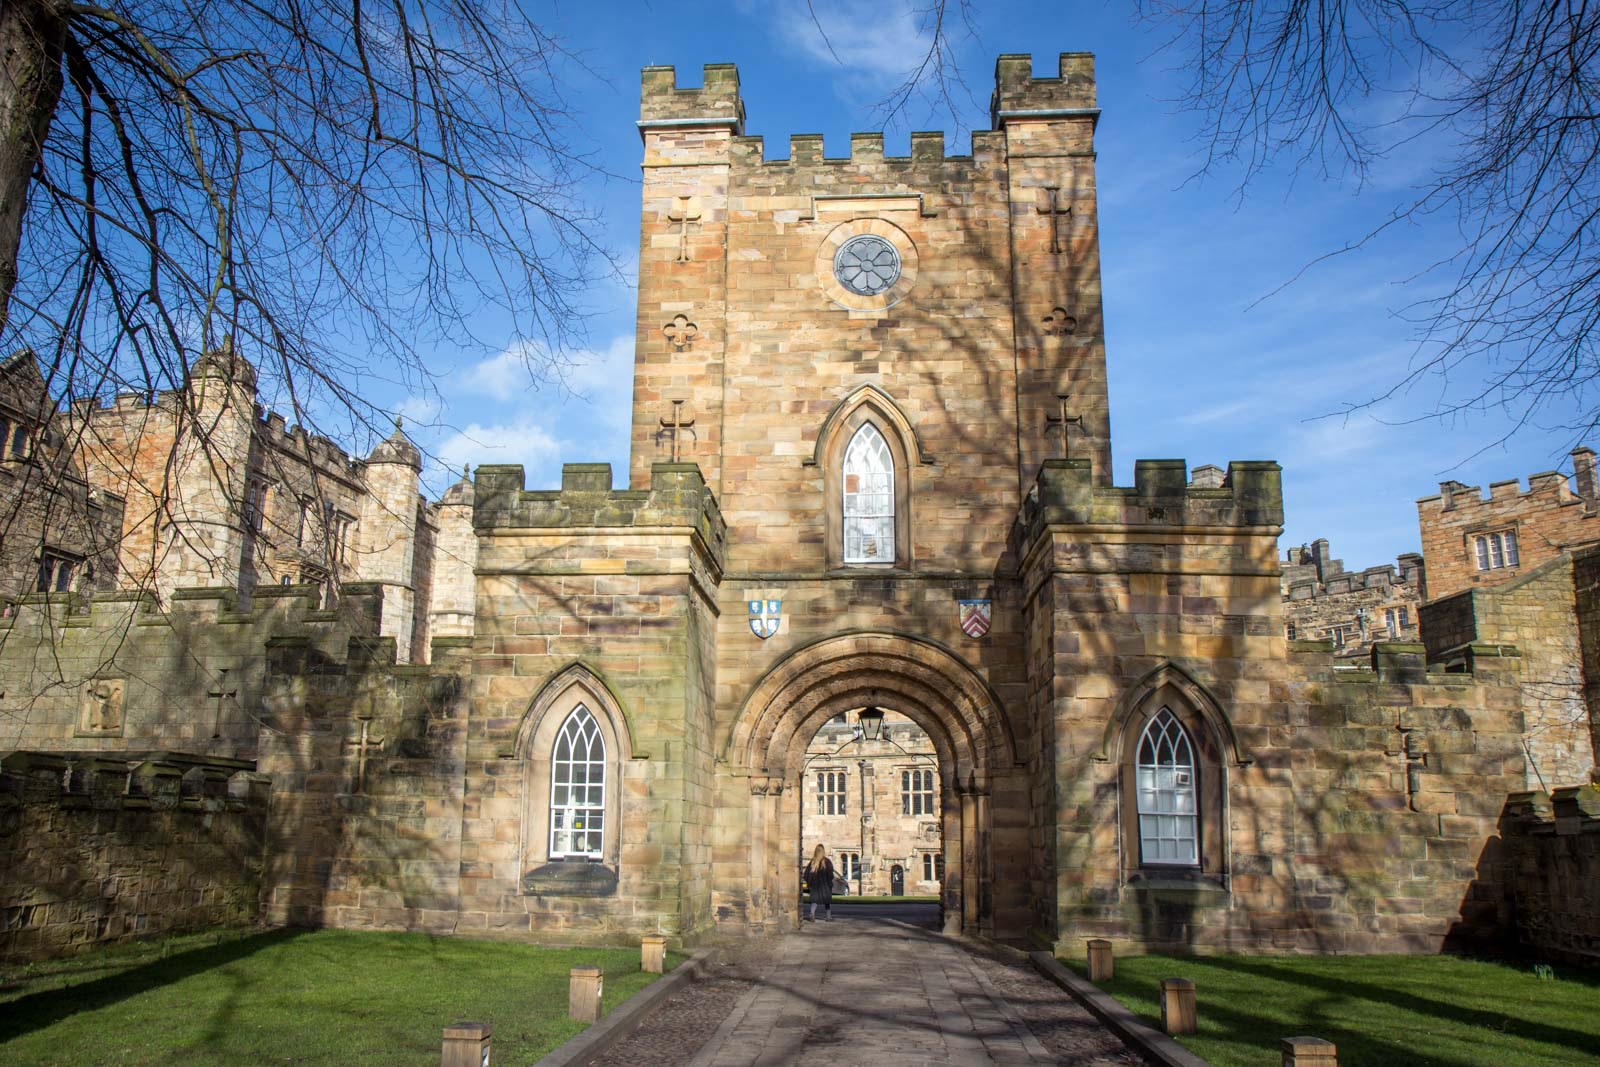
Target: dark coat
820, 878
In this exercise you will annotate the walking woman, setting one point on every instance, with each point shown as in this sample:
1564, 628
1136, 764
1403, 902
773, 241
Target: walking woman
819, 884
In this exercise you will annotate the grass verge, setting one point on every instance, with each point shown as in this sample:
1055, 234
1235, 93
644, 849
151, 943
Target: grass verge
1420, 1011
327, 996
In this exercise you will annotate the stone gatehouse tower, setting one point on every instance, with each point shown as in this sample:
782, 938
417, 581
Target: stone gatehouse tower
847, 493
848, 441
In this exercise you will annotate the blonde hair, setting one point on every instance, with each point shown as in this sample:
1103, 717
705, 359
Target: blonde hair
817, 858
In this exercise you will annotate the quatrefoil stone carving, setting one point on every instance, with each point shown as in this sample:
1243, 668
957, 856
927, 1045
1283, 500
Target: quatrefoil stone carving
680, 332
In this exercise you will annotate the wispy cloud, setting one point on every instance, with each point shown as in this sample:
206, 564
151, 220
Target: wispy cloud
874, 40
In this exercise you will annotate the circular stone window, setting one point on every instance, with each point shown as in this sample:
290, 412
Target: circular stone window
866, 265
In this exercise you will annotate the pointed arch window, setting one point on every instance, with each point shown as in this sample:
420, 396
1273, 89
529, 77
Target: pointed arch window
1167, 780
868, 504
578, 788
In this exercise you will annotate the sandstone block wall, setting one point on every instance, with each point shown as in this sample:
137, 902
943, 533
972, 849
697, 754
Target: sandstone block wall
1547, 518
621, 584
1548, 879
100, 849
115, 673
1535, 612
366, 759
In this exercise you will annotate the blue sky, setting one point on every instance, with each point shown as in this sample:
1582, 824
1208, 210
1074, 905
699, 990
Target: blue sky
1212, 356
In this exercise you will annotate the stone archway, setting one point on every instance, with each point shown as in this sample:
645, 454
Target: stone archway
922, 680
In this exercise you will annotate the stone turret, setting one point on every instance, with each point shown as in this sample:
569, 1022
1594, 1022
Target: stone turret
200, 539
386, 541
455, 559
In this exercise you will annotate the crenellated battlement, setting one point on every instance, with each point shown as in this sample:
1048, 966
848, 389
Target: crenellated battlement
866, 150
1250, 496
1020, 95
678, 496
715, 101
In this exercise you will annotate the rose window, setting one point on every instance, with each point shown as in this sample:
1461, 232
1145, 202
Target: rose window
866, 265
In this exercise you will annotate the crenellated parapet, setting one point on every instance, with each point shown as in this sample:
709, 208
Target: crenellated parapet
1250, 498
1018, 94
714, 102
678, 497
97, 848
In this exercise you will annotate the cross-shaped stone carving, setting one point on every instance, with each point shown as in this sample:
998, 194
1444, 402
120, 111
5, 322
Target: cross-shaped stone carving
1063, 420
221, 692
362, 745
1050, 207
1416, 764
680, 332
683, 218
675, 428
1059, 324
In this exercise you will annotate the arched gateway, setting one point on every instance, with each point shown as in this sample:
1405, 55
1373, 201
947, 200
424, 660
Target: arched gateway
764, 750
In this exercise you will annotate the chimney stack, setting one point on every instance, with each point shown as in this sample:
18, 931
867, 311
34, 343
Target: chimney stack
1584, 475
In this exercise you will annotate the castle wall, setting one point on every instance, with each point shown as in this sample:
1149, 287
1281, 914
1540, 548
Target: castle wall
1545, 878
116, 673
1354, 609
98, 850
1548, 518
622, 583
367, 761
1536, 613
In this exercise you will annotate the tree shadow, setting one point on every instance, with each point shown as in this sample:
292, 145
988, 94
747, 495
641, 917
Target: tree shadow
35, 1011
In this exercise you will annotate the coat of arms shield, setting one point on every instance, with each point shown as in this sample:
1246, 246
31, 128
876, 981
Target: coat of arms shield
764, 615
975, 617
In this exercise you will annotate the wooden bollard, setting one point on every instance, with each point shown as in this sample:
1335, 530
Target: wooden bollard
1178, 1014
583, 994
653, 955
465, 1045
1100, 965
1309, 1052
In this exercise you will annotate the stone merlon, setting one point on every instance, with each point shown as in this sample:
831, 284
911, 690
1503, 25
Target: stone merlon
663, 103
1018, 94
678, 496
1251, 495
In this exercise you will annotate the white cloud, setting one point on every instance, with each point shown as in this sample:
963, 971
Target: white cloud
880, 40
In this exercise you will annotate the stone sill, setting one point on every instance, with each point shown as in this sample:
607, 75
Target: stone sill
1193, 885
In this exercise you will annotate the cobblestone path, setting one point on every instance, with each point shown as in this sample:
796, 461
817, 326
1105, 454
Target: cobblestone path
860, 991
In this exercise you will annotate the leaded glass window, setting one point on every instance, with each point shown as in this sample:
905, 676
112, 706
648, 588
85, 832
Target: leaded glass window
868, 498
578, 788
1168, 826
831, 793
866, 265
916, 791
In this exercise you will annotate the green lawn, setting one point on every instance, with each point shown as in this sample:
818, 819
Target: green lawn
1419, 1011
331, 996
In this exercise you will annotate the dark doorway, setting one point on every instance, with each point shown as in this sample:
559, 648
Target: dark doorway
897, 881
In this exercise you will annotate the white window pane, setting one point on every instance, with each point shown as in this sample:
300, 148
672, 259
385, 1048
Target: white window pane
1511, 549
1482, 545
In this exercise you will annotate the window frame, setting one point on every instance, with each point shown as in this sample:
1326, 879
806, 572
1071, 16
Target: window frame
1185, 772
535, 748
1495, 550
840, 433
1210, 784
871, 521
587, 728
836, 794
61, 569
918, 792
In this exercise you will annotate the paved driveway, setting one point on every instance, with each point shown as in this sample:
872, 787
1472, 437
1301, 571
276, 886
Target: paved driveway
872, 992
